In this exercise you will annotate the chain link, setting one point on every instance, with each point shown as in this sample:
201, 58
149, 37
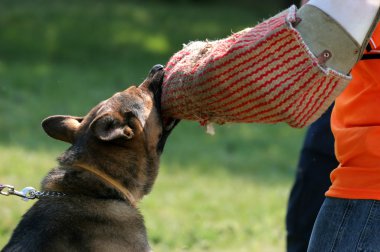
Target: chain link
28, 193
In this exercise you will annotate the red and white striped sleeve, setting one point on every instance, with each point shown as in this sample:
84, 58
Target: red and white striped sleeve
264, 74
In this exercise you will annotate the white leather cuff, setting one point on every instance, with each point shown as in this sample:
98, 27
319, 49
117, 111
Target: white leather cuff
355, 16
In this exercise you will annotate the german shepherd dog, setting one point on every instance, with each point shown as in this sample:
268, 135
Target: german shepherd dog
112, 163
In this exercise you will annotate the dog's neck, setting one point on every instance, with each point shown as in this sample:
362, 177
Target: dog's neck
80, 179
109, 181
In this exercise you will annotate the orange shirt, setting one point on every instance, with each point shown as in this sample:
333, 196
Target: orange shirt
355, 122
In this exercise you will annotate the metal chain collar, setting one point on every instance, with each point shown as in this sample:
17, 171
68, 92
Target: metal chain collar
28, 193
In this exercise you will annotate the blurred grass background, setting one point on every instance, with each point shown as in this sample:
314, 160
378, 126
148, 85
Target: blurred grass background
226, 192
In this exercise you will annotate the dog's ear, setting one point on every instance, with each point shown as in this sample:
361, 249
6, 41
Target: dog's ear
107, 128
62, 127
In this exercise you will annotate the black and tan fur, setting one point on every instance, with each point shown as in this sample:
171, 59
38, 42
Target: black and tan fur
123, 137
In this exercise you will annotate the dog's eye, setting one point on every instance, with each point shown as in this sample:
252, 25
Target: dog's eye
128, 115
130, 119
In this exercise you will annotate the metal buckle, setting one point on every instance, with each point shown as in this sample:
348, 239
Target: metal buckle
6, 190
26, 194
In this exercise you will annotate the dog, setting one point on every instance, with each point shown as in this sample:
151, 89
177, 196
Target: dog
112, 163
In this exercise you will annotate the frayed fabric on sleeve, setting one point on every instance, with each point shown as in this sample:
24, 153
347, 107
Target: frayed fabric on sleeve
264, 74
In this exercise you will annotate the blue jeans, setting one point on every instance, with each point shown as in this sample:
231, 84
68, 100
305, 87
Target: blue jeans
316, 162
345, 225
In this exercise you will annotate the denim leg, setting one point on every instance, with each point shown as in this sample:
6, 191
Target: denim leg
306, 198
346, 225
316, 162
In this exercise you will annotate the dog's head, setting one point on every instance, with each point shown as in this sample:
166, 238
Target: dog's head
123, 135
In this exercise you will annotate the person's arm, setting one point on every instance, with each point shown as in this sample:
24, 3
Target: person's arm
340, 26
287, 69
355, 16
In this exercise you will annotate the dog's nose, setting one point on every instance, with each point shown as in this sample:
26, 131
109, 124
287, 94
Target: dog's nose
155, 69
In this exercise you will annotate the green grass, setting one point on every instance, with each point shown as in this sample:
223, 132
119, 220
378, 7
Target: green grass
226, 192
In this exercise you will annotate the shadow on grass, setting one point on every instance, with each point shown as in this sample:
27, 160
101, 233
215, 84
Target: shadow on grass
84, 32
